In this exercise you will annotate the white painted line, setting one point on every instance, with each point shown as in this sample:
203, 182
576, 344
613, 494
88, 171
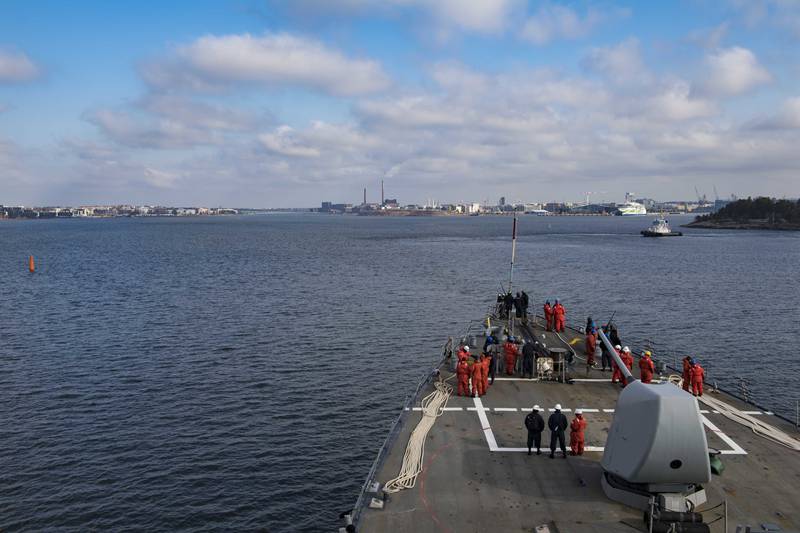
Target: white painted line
553, 410
589, 410
704, 411
735, 448
608, 410
487, 429
585, 448
768, 413
453, 409
592, 380
752, 412
715, 412
417, 408
475, 408
506, 409
517, 379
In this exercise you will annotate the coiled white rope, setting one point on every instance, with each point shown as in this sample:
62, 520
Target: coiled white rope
757, 426
432, 408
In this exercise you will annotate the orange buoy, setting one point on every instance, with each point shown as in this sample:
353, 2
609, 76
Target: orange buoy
31, 265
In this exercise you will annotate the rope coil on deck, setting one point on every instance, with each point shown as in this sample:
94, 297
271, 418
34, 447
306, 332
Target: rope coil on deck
757, 426
432, 408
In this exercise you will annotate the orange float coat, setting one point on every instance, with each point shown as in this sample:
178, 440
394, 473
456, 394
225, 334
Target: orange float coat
697, 379
591, 344
510, 350
485, 373
477, 379
646, 369
576, 437
616, 374
627, 360
548, 316
687, 374
559, 316
462, 372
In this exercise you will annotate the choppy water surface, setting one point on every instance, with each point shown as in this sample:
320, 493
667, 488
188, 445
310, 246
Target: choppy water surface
240, 373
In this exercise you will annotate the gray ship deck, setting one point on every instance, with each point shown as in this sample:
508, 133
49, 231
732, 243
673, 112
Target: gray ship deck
477, 475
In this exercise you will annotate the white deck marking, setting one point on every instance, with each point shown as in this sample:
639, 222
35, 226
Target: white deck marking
592, 380
585, 448
517, 379
506, 409
735, 448
453, 409
589, 410
608, 410
493, 447
487, 429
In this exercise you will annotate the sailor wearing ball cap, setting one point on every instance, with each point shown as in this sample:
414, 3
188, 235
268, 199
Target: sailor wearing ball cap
535, 425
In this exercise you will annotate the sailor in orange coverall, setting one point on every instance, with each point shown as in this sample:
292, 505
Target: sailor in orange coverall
646, 368
462, 371
591, 344
576, 429
687, 373
476, 372
510, 350
559, 316
463, 353
697, 378
548, 315
627, 358
484, 373
616, 373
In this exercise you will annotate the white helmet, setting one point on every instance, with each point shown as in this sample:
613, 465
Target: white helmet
558, 407
578, 411
626, 349
618, 347
537, 408
466, 348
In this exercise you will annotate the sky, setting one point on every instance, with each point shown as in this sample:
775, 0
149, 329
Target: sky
290, 103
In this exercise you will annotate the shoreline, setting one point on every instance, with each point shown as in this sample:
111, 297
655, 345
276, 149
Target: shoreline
731, 224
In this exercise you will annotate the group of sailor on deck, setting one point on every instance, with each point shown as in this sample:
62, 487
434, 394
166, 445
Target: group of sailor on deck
476, 373
557, 424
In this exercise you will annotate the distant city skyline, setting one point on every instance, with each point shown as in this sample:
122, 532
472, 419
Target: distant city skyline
265, 104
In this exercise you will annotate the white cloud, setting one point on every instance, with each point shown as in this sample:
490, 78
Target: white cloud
479, 16
170, 121
273, 60
16, 67
554, 22
160, 178
787, 118
283, 142
483, 16
709, 38
675, 102
733, 71
621, 63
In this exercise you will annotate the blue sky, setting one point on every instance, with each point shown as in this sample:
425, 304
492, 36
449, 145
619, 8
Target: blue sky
268, 104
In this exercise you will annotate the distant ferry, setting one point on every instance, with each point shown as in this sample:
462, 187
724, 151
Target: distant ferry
537, 212
632, 209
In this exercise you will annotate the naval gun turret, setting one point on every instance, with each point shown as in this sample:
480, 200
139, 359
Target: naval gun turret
656, 456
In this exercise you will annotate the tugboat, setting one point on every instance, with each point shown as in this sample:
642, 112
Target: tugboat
660, 228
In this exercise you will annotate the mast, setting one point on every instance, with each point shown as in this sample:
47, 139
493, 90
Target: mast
513, 251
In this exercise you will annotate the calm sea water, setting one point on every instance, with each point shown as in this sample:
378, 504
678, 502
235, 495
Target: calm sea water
241, 373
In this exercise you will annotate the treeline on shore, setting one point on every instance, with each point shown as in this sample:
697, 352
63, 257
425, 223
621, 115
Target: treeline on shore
768, 211
761, 212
